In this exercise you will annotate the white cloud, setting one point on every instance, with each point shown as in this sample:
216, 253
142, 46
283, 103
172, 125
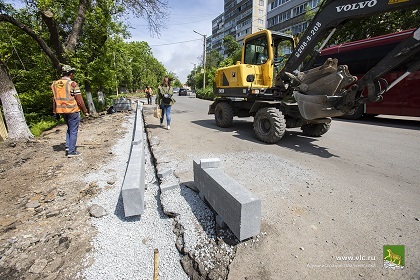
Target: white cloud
185, 16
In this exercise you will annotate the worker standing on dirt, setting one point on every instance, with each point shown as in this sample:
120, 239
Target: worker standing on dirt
165, 100
68, 102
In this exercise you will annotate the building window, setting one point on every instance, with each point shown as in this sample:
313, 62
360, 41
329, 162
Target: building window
260, 21
313, 3
285, 16
260, 12
261, 2
299, 10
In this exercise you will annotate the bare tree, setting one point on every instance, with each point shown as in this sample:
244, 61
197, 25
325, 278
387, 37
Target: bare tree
154, 11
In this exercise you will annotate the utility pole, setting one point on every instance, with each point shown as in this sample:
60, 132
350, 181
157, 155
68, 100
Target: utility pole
204, 59
193, 76
116, 79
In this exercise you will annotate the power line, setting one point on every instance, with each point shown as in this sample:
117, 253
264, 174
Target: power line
172, 24
175, 43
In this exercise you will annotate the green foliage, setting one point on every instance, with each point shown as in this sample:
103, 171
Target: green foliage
233, 49
213, 59
206, 93
230, 45
226, 62
43, 125
104, 61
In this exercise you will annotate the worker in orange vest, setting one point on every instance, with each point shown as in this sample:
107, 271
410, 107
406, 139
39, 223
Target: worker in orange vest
68, 102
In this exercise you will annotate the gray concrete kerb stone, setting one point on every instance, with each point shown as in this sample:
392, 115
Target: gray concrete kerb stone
210, 163
132, 190
168, 186
164, 173
239, 208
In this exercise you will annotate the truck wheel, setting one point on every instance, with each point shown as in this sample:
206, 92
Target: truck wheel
223, 114
315, 129
269, 125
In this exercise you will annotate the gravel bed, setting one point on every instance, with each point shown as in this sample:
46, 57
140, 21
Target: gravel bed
124, 247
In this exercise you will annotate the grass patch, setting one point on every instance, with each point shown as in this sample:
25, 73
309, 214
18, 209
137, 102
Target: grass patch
43, 125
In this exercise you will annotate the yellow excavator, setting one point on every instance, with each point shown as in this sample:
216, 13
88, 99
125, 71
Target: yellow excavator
267, 84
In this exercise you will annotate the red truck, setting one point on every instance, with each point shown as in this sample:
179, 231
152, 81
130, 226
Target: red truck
362, 55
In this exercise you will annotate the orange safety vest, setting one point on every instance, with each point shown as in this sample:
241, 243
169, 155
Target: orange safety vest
64, 96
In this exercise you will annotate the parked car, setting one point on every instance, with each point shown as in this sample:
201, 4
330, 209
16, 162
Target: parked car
176, 90
182, 91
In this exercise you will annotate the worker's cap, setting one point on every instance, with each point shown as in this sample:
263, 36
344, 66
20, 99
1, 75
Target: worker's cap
67, 68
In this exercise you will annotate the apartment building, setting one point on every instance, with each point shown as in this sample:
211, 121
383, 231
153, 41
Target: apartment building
289, 15
218, 33
243, 17
240, 18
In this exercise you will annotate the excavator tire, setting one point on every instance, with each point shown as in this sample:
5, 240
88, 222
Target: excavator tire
315, 129
223, 114
269, 125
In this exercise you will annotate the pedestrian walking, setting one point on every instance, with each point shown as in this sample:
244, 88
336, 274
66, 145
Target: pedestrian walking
165, 100
149, 94
68, 102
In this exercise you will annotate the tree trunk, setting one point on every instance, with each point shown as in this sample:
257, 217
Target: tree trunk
91, 105
13, 112
101, 98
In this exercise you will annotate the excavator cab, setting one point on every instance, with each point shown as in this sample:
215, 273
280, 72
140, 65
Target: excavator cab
283, 47
268, 51
264, 54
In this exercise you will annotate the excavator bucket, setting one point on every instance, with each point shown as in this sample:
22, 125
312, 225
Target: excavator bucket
318, 90
313, 107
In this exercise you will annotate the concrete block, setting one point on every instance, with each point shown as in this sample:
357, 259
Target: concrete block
201, 196
220, 222
168, 187
239, 208
138, 127
134, 184
133, 187
122, 104
210, 163
164, 172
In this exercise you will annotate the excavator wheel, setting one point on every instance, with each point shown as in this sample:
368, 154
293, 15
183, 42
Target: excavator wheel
223, 114
269, 125
315, 129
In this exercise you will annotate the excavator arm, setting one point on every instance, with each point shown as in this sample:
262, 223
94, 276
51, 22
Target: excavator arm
321, 92
331, 14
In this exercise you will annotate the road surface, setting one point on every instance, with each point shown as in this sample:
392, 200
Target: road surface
324, 200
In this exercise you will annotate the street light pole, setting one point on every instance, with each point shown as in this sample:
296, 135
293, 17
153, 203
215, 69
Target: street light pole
193, 76
204, 59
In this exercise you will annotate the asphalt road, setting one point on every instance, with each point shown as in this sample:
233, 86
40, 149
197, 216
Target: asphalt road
343, 195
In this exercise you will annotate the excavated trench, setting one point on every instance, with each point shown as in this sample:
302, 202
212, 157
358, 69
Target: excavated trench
212, 265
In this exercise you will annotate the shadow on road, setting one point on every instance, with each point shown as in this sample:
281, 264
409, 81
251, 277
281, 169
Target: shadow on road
292, 140
386, 122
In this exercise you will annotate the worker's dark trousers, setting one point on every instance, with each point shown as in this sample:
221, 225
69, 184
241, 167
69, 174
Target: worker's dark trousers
72, 120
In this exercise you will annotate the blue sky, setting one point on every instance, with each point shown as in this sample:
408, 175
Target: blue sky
185, 16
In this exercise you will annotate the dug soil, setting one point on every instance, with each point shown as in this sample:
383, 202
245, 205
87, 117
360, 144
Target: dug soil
45, 228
